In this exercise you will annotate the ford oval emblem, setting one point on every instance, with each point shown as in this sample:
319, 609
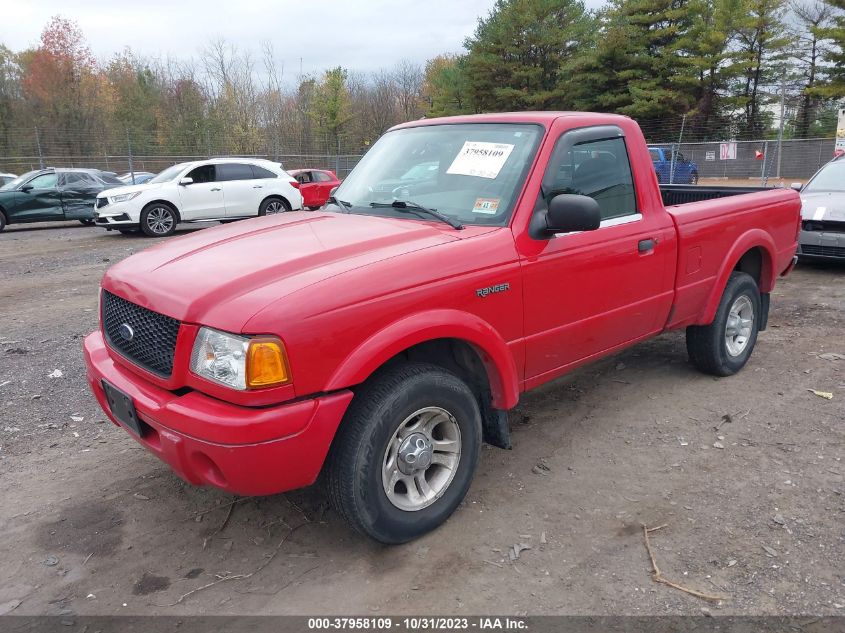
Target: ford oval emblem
126, 332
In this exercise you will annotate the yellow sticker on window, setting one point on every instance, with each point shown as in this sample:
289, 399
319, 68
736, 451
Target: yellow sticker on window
488, 206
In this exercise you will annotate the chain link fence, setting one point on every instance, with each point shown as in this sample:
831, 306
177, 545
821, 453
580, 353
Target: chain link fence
25, 150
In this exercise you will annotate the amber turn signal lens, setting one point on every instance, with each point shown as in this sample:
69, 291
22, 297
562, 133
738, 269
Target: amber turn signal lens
266, 363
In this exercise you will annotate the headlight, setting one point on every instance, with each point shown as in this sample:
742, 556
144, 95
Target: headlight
124, 197
239, 362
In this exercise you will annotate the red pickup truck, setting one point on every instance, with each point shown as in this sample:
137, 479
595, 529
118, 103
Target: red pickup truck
379, 342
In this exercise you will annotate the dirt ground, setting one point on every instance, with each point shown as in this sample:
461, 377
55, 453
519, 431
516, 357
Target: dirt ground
746, 473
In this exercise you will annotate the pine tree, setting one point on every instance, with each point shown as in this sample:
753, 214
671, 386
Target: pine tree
638, 66
519, 53
833, 85
762, 50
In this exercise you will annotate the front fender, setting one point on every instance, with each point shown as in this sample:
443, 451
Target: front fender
754, 238
427, 326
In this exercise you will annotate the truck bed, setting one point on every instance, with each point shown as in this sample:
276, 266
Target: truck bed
713, 233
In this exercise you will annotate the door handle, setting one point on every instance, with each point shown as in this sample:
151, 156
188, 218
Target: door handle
645, 246
257, 186
215, 189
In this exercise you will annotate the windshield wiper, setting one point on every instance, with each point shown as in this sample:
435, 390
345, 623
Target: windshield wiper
345, 206
411, 207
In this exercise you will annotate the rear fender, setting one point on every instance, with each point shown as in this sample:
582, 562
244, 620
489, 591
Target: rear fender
427, 326
755, 238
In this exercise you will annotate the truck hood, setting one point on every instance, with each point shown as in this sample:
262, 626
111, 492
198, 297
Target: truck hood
222, 276
826, 206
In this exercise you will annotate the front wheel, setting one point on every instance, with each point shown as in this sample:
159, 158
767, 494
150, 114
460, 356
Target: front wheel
87, 222
158, 220
723, 347
405, 453
272, 206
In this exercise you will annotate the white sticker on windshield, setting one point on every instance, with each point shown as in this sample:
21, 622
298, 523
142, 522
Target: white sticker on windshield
478, 158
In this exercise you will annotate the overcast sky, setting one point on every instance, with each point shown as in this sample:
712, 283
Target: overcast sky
361, 35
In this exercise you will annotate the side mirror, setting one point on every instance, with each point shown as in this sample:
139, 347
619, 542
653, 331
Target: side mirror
332, 192
26, 188
797, 186
569, 212
185, 181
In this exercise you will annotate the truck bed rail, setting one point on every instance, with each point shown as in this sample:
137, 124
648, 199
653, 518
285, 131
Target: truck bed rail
681, 194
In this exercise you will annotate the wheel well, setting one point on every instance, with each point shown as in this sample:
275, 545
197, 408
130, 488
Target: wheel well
3, 213
168, 204
464, 360
752, 263
277, 196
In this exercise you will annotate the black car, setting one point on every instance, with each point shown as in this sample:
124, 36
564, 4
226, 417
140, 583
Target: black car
48, 195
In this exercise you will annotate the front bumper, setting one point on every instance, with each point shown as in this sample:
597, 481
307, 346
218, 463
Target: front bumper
244, 450
823, 244
119, 214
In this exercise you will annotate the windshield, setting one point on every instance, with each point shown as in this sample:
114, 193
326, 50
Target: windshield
17, 182
471, 173
169, 174
831, 177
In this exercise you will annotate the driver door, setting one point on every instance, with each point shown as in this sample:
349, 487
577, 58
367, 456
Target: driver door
38, 199
203, 198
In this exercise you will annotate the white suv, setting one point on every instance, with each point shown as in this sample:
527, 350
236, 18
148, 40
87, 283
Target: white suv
218, 189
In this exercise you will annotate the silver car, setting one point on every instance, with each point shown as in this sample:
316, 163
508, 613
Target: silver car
823, 213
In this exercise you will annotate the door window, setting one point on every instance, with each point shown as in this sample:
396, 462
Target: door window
304, 177
44, 181
321, 176
234, 171
598, 169
77, 179
260, 172
204, 173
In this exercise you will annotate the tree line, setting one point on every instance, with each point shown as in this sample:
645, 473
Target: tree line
720, 68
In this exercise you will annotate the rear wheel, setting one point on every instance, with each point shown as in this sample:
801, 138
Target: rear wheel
312, 208
158, 220
87, 222
405, 453
272, 206
723, 347
2, 220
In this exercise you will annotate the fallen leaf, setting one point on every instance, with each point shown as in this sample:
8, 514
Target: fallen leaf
771, 552
822, 394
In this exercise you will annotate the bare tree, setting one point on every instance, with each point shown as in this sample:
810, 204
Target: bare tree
408, 77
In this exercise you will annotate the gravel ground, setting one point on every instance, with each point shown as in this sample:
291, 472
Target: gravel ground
745, 472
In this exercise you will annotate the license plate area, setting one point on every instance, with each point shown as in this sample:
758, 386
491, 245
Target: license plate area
123, 409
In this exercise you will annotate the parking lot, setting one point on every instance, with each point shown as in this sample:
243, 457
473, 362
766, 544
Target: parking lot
745, 472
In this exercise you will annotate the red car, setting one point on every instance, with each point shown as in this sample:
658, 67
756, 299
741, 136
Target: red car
315, 185
382, 340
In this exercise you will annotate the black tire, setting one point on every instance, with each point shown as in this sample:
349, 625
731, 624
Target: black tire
315, 208
693, 179
272, 206
87, 222
2, 220
708, 346
159, 220
359, 451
